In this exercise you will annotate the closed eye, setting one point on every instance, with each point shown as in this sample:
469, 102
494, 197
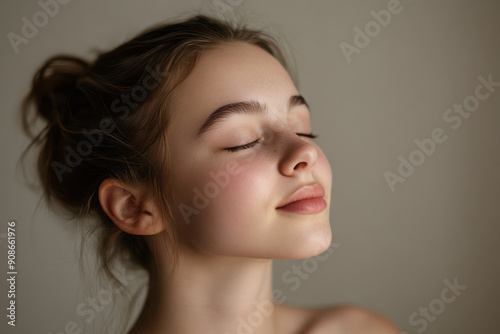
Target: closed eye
309, 135
255, 142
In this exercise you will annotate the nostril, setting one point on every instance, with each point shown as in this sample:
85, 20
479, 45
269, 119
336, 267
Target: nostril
302, 162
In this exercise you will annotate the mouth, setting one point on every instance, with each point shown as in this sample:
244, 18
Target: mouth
305, 206
307, 199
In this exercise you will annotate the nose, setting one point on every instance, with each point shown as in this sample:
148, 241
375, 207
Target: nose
300, 155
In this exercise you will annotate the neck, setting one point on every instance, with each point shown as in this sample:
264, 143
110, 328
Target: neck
210, 294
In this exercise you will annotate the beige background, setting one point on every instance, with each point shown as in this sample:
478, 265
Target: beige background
396, 248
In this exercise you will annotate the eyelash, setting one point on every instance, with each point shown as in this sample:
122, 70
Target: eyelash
249, 145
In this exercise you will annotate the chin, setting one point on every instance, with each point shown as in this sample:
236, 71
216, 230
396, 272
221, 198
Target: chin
319, 242
305, 244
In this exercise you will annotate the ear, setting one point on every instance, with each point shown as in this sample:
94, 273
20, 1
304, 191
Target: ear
120, 202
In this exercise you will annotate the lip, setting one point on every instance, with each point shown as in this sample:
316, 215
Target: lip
306, 199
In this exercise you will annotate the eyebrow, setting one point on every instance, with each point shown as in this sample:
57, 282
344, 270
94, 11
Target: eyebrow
244, 107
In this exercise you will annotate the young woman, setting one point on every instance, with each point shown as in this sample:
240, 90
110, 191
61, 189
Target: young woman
192, 150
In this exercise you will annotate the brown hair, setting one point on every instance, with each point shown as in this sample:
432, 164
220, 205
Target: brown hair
108, 118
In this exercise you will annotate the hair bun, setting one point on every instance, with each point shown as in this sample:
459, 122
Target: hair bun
53, 85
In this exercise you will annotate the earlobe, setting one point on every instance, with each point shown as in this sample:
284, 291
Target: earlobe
120, 203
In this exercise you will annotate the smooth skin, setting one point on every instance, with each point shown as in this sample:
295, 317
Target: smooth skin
227, 245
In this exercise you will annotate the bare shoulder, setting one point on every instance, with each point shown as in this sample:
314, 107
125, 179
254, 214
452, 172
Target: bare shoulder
348, 319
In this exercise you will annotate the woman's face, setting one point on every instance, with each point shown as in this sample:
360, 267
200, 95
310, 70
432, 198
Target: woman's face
226, 200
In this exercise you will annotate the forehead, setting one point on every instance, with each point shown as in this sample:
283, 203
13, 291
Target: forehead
229, 73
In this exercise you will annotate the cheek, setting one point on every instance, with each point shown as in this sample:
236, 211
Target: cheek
248, 190
236, 209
